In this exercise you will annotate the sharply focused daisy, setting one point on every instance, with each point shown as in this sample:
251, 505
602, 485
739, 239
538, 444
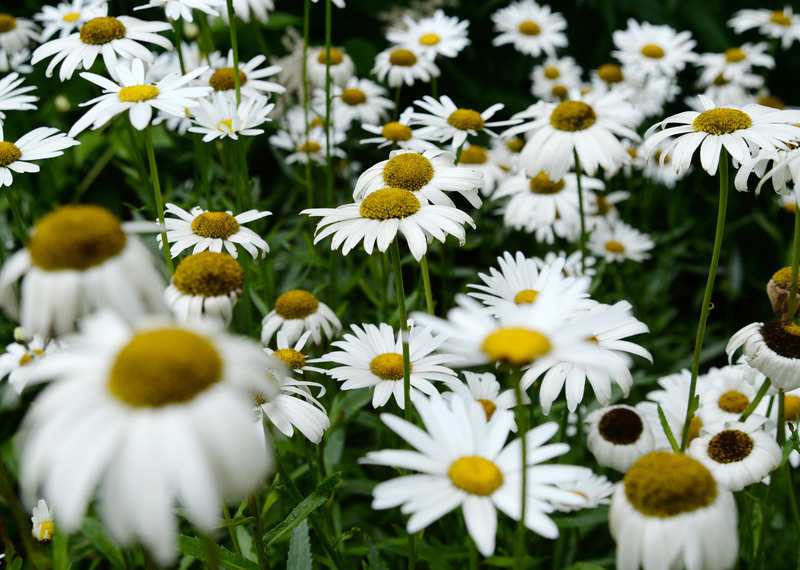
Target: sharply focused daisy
297, 311
532, 29
435, 35
38, 144
15, 361
619, 242
252, 81
779, 24
16, 34
617, 436
151, 417
358, 101
461, 460
67, 16
220, 117
42, 519
402, 65
205, 230
205, 285
182, 9
650, 49
13, 97
772, 348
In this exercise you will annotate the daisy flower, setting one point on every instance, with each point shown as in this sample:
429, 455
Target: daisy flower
485, 389
727, 393
532, 29
772, 348
14, 362
397, 133
172, 95
401, 65
182, 9
382, 215
617, 436
38, 144
432, 36
252, 82
647, 93
152, 417
297, 311
672, 397
80, 258
220, 117
15, 61
341, 66
359, 100
64, 18
653, 50
619, 242
212, 231
205, 284
303, 149
102, 35
483, 160
779, 24
16, 33
42, 520
461, 462
734, 63
574, 263
12, 96
595, 489
554, 79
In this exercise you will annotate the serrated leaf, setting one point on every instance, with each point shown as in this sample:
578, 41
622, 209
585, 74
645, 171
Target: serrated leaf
374, 557
199, 549
299, 549
103, 542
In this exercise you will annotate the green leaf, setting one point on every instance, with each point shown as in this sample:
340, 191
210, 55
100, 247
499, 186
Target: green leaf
16, 565
103, 542
199, 549
373, 557
299, 549
305, 508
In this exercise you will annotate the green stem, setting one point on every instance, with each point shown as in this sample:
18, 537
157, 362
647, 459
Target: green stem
94, 172
792, 499
151, 158
426, 282
522, 428
706, 308
258, 532
401, 306
231, 529
235, 49
176, 29
582, 239
756, 401
16, 212
795, 265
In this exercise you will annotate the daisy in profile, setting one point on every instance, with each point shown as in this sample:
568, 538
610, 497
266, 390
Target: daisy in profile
182, 9
673, 495
772, 348
485, 389
653, 50
80, 258
65, 17
297, 311
102, 35
15, 361
619, 242
150, 416
205, 285
617, 436
432, 36
220, 117
596, 490
205, 230
42, 519
555, 78
252, 83
38, 144
461, 460
341, 66
402, 65
17, 34
778, 24
532, 29
358, 101
13, 97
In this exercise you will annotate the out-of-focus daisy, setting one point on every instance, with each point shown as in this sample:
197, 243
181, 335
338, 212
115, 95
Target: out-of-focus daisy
341, 66
15, 61
734, 63
401, 65
505, 152
778, 167
482, 159
779, 24
15, 361
647, 93
66, 16
617, 436
219, 75
246, 10
102, 35
337, 3
42, 519
172, 95
671, 397
619, 242
382, 215
555, 78
432, 36
12, 96
17, 34
372, 358
532, 29
205, 284
212, 231
182, 9
673, 495
151, 417
80, 258
575, 264
485, 389
220, 117
359, 101
312, 148
650, 49
397, 133
297, 311
595, 489
38, 144
460, 461
772, 348
727, 392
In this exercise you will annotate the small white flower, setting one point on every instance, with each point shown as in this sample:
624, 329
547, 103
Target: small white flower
38, 144
401, 65
297, 311
649, 49
531, 28
42, 519
220, 117
12, 96
432, 36
617, 436
619, 242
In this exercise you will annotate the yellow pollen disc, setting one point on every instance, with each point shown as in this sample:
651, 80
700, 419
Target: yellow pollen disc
632, 153
292, 358
610, 73
161, 367
71, 17
733, 402
621, 426
9, 152
409, 170
517, 346
772, 101
296, 304
99, 31
476, 475
310, 147
217, 225
389, 203
782, 338
572, 116
551, 72
394, 131
258, 398
474, 155
429, 39
663, 484
208, 274
515, 144
529, 28
720, 80
652, 51
734, 54
593, 339
541, 184
694, 428
402, 58
559, 91
7, 23
791, 408
27, 357
388, 366
789, 207
614, 247
603, 206
316, 122
76, 237
466, 120
730, 446
722, 121
46, 530
488, 407
778, 17
138, 93
525, 296
336, 58
223, 79
225, 123
783, 277
354, 97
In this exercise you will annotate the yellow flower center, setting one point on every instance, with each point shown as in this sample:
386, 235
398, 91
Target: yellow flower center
476, 475
733, 402
223, 79
466, 120
258, 397
389, 203
694, 428
664, 484
310, 147
409, 170
474, 155
730, 446
228, 123
388, 366
782, 338
217, 225
778, 17
166, 366
529, 28
722, 121
603, 206
772, 101
488, 407
72, 16
621, 426
541, 184
614, 246
296, 304
294, 359
734, 54
316, 122
652, 51
559, 91
515, 144
610, 73
720, 80
429, 39
99, 31
354, 97
517, 346
76, 237
791, 408
572, 116
208, 274
336, 58
402, 58
27, 357
783, 277
7, 23
138, 93
551, 72
394, 131
9, 152
46, 529
525, 296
